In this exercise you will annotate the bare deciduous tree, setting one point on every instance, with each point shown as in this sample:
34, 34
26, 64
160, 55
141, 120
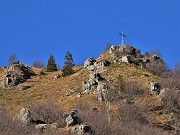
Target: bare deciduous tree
38, 64
12, 58
107, 47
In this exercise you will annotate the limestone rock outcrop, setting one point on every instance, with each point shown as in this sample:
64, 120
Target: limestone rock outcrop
92, 65
16, 74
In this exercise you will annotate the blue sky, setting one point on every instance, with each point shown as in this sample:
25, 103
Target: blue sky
34, 29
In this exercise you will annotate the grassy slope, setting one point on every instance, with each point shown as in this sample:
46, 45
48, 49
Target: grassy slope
44, 88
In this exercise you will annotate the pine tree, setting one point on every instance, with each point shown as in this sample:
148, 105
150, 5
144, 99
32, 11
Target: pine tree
68, 64
51, 64
68, 60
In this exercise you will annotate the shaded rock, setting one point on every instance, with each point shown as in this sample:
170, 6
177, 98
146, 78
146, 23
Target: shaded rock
82, 130
16, 74
56, 77
154, 88
22, 88
71, 118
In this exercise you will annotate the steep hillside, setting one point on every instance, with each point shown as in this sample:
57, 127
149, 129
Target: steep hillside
44, 88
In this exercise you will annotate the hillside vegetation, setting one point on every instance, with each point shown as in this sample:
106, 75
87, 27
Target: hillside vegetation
44, 89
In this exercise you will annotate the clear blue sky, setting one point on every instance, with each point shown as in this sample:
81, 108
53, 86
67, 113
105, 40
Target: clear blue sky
34, 29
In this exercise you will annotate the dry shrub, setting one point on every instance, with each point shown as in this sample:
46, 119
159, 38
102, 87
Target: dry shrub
156, 67
171, 100
38, 64
48, 113
132, 122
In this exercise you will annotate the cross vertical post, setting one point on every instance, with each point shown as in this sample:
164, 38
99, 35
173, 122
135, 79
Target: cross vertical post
122, 35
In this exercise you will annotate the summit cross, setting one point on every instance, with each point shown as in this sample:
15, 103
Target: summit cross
122, 35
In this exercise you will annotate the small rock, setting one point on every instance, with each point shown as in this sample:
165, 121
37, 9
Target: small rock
41, 126
22, 88
70, 91
56, 77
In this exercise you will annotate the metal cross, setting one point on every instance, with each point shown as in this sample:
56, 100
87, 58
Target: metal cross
122, 43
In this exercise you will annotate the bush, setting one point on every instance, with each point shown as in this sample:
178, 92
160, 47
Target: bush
48, 113
156, 67
66, 71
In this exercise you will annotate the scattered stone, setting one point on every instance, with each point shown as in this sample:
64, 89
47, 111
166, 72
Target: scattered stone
70, 91
55, 125
56, 77
154, 88
78, 95
22, 88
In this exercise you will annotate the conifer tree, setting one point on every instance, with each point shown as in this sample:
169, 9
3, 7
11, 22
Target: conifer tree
51, 66
68, 60
68, 64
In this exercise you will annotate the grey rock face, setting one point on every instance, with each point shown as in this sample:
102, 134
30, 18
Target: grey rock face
154, 88
93, 65
88, 64
102, 91
16, 74
90, 85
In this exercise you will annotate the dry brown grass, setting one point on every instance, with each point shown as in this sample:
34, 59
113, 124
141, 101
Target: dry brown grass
44, 88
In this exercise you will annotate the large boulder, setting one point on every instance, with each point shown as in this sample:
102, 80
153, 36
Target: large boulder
25, 116
71, 118
16, 74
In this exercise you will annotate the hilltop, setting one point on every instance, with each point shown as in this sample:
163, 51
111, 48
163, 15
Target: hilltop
125, 62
